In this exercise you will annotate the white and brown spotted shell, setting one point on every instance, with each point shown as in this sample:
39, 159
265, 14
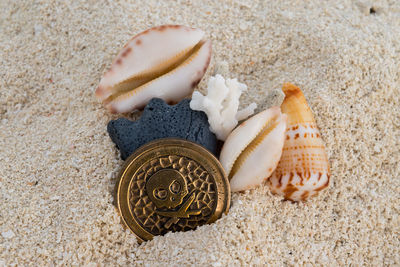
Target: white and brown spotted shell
303, 169
165, 62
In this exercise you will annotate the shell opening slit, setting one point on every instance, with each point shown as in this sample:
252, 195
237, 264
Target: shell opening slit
266, 129
138, 81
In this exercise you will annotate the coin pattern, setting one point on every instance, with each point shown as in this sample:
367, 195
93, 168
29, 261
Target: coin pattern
171, 185
199, 183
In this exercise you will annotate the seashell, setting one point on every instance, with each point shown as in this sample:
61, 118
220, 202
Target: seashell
252, 151
303, 169
166, 62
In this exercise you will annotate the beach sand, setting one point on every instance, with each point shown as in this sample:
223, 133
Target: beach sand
58, 166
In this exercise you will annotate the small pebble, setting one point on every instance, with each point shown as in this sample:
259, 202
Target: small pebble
222, 68
274, 98
243, 26
38, 29
8, 234
160, 120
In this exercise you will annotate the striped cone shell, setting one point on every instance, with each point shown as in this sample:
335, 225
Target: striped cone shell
303, 169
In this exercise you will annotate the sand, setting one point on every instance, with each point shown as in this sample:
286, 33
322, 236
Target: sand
58, 167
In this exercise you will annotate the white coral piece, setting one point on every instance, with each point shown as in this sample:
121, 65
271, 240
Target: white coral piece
221, 105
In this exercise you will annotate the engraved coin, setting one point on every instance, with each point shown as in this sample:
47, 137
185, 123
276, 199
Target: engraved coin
171, 185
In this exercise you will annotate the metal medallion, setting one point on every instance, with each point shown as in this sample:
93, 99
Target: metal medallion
171, 185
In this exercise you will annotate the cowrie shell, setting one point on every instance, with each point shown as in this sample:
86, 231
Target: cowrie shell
166, 62
252, 151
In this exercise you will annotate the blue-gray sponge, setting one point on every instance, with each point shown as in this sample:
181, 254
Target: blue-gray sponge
160, 120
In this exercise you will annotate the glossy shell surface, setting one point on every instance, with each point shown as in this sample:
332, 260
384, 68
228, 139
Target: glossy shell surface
252, 151
303, 170
166, 62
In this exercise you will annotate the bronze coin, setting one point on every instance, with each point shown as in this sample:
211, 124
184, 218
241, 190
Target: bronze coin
171, 185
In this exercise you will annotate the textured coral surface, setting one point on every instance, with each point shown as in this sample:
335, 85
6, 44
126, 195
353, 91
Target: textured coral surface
58, 167
160, 120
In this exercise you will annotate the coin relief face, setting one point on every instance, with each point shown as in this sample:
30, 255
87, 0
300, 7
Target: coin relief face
167, 188
171, 185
